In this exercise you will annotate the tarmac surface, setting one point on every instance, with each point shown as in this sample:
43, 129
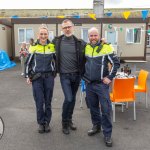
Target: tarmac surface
17, 109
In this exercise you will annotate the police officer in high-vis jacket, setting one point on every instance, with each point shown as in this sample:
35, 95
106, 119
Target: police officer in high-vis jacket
98, 77
40, 71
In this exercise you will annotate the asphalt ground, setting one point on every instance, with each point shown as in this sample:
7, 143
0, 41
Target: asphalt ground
17, 109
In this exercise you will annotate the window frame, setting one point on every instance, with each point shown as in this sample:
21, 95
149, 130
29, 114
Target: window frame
25, 34
148, 40
132, 42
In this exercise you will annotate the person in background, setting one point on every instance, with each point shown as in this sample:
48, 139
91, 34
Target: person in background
31, 41
98, 77
70, 63
40, 71
23, 53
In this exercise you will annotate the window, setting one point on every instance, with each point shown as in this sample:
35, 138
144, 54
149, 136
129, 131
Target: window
148, 40
84, 34
133, 35
24, 35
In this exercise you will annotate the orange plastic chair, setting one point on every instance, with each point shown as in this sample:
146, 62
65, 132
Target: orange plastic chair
142, 84
123, 91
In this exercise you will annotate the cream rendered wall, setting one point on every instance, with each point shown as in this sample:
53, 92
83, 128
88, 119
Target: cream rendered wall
5, 39
130, 50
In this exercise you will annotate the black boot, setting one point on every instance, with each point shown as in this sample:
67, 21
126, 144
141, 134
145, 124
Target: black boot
47, 128
41, 128
72, 126
65, 127
95, 129
108, 141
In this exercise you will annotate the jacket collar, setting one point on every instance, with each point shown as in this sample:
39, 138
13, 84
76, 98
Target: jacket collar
37, 42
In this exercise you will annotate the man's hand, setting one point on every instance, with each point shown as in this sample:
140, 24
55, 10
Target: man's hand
106, 80
103, 40
28, 81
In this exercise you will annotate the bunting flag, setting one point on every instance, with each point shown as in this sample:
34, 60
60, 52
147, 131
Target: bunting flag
44, 17
126, 14
15, 16
110, 26
93, 16
76, 16
60, 17
144, 14
121, 29
109, 14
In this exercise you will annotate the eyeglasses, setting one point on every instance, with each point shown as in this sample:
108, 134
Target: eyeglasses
68, 27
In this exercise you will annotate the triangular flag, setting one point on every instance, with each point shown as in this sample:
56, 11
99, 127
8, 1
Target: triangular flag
126, 14
93, 16
76, 16
15, 16
60, 16
121, 29
144, 14
110, 26
109, 14
44, 17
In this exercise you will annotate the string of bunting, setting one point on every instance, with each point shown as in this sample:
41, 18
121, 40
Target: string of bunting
125, 14
91, 15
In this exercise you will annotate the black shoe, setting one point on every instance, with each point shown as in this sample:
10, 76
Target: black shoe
72, 126
94, 130
65, 127
47, 128
41, 129
66, 131
108, 141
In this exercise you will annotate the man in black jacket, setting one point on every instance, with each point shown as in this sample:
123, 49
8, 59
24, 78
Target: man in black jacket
70, 65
